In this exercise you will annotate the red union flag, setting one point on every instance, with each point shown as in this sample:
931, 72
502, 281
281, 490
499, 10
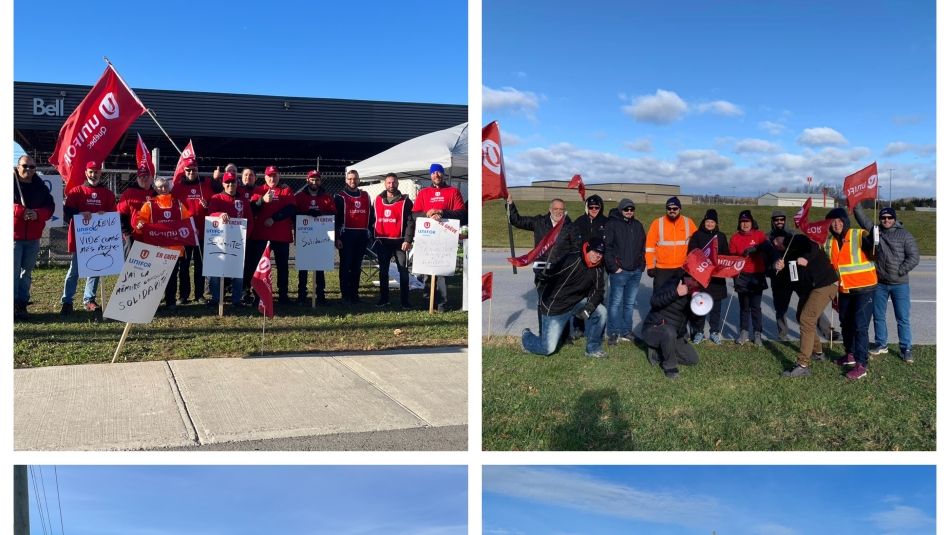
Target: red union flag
171, 233
94, 127
261, 284
801, 218
861, 185
817, 231
578, 183
143, 160
493, 164
487, 280
700, 263
729, 266
186, 154
541, 248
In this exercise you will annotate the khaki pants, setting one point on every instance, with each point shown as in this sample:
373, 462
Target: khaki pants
817, 301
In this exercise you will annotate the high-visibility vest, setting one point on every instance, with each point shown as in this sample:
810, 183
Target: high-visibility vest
854, 268
668, 242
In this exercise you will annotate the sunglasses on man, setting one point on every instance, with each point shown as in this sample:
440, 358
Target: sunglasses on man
30, 167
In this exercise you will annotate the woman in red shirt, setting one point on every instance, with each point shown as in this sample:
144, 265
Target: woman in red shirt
751, 242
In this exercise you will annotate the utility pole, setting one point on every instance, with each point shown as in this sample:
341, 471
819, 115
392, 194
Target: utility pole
890, 187
21, 501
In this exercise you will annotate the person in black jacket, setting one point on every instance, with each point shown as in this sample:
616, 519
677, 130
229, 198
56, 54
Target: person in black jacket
573, 286
664, 329
709, 230
625, 260
593, 224
32, 207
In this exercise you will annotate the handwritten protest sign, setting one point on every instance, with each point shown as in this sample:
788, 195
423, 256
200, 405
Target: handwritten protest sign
141, 285
315, 243
224, 247
435, 246
99, 245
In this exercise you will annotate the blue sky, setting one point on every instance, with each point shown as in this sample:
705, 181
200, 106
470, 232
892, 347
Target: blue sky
413, 51
732, 500
713, 95
239, 500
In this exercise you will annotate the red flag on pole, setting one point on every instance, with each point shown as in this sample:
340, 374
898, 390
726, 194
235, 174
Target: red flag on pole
817, 231
578, 183
493, 164
861, 185
261, 284
700, 263
801, 218
143, 160
186, 154
729, 266
94, 127
171, 233
541, 248
487, 279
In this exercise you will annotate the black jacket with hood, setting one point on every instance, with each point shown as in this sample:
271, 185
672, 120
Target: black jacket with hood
570, 280
699, 239
626, 243
668, 307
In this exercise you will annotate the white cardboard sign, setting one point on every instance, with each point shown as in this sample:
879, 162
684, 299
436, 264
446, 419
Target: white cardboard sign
315, 243
99, 244
55, 185
224, 247
435, 247
141, 285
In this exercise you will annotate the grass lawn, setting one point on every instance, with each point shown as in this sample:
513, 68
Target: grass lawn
734, 399
923, 225
196, 331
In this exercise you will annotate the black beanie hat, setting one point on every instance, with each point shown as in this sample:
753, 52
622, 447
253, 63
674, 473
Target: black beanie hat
711, 214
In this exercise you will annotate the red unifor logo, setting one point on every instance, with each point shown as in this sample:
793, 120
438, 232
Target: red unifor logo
426, 224
214, 224
144, 254
306, 221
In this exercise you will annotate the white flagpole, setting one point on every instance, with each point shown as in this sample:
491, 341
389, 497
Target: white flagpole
125, 333
489, 317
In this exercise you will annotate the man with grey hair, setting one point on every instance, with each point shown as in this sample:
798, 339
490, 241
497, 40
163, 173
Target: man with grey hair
32, 207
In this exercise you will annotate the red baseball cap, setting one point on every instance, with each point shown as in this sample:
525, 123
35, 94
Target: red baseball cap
271, 170
190, 162
228, 177
313, 172
93, 165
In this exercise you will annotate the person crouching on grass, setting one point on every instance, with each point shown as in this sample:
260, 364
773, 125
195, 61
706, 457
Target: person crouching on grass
664, 329
574, 286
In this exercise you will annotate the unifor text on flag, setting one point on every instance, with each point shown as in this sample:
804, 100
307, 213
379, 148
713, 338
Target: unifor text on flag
494, 185
143, 160
701, 263
262, 285
861, 186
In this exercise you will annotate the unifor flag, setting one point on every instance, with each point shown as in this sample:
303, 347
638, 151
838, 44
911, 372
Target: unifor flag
729, 266
493, 164
700, 263
187, 154
171, 233
262, 286
801, 218
486, 286
861, 186
578, 183
143, 160
541, 248
817, 231
94, 127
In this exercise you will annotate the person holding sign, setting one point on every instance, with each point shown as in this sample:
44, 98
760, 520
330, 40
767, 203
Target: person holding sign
85, 199
131, 202
32, 207
313, 201
195, 193
392, 213
226, 205
166, 208
352, 231
274, 222
440, 201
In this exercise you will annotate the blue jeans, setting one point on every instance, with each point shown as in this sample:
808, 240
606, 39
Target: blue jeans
24, 260
72, 280
621, 301
856, 311
236, 285
900, 295
553, 326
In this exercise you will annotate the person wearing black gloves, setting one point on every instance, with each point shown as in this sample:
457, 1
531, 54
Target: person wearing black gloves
572, 287
709, 230
664, 329
625, 261
751, 242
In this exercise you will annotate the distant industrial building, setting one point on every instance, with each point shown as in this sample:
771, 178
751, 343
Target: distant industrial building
545, 190
796, 199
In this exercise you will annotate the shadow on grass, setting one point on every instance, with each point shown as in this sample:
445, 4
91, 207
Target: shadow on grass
596, 424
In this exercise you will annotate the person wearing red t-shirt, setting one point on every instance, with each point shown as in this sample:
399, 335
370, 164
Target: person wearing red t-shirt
246, 189
352, 234
91, 197
392, 213
751, 242
440, 201
131, 201
164, 207
226, 205
274, 223
314, 201
195, 193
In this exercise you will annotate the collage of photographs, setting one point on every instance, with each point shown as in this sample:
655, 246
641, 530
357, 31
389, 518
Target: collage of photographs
706, 247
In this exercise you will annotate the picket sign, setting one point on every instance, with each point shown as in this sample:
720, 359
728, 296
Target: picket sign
435, 250
99, 244
314, 240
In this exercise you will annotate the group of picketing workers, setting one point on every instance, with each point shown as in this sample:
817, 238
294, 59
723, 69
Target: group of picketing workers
269, 209
593, 270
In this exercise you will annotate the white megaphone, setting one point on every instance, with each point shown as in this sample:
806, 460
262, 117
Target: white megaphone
701, 303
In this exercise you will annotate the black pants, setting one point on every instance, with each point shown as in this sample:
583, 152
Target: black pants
386, 250
192, 257
281, 251
750, 308
698, 323
172, 287
351, 260
302, 285
674, 349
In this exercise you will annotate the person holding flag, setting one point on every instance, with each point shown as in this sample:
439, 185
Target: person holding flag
32, 207
667, 242
226, 205
751, 242
440, 201
393, 228
625, 261
314, 201
91, 197
709, 234
195, 193
165, 207
274, 223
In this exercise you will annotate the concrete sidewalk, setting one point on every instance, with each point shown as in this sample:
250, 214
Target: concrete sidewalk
182, 403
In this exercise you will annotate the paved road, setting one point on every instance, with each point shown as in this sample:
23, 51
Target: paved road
333, 401
515, 303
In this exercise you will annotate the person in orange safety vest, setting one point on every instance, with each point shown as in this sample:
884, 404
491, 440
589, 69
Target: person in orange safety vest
667, 242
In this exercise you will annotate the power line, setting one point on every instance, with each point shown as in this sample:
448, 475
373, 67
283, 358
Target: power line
49, 521
39, 502
59, 503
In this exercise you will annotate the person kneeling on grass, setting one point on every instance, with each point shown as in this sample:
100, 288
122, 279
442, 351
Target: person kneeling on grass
574, 286
664, 329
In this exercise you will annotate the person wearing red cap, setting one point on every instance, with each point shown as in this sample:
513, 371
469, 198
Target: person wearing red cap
195, 192
246, 189
32, 207
352, 230
439, 201
314, 201
226, 205
86, 199
131, 201
274, 223
392, 226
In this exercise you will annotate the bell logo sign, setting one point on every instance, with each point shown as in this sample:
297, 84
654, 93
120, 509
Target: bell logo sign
40, 107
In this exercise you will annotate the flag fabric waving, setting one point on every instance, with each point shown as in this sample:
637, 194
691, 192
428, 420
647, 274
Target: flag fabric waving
541, 248
143, 160
261, 284
171, 233
487, 280
801, 218
700, 263
94, 127
186, 154
493, 164
817, 231
729, 266
578, 183
861, 185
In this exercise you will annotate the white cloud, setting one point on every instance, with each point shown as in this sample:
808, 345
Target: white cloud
702, 160
905, 120
643, 144
903, 519
821, 135
900, 147
720, 107
663, 107
773, 529
510, 139
509, 98
772, 127
755, 145
521, 74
